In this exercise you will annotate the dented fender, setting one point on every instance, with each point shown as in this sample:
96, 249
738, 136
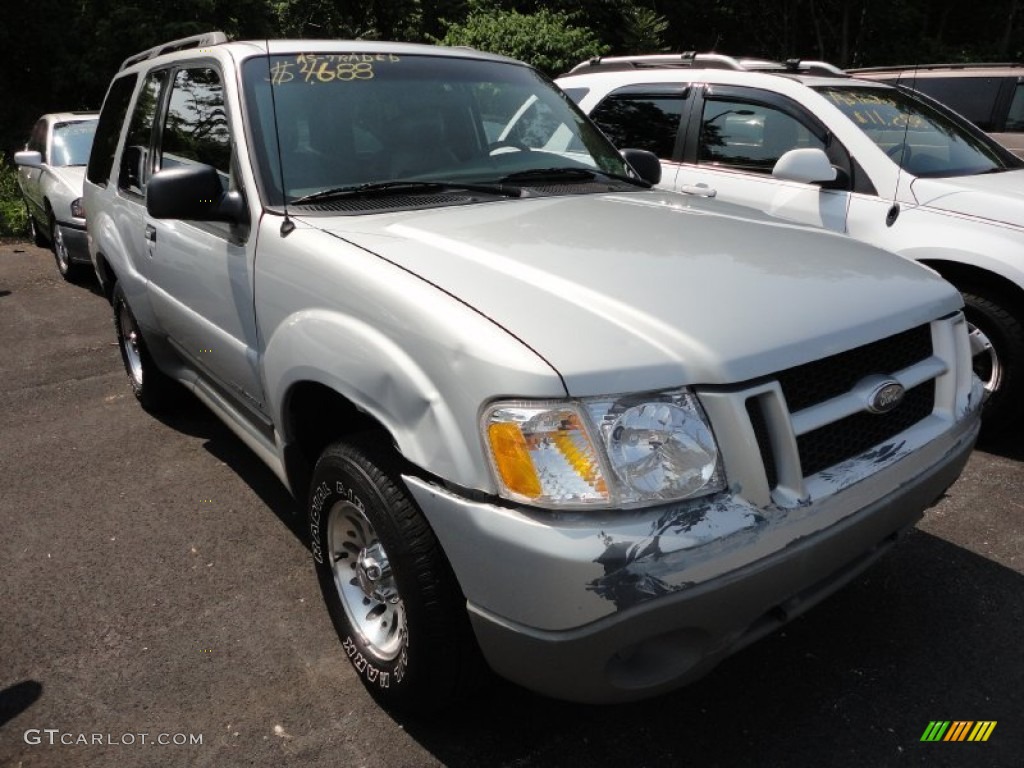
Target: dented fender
377, 376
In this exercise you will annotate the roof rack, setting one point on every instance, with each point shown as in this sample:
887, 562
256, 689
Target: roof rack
195, 41
800, 66
694, 60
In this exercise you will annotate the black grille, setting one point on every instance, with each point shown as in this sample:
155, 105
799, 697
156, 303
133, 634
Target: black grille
855, 434
764, 443
812, 383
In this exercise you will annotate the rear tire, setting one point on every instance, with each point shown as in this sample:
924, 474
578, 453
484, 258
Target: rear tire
997, 348
154, 389
389, 589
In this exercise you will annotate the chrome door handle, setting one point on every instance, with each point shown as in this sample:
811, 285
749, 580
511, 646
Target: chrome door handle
701, 190
151, 233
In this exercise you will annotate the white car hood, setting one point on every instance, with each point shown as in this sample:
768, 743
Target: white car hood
994, 196
650, 290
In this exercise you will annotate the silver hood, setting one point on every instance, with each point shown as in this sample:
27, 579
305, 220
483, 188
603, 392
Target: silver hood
651, 290
996, 196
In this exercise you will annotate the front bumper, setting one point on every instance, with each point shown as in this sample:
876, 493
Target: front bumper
617, 608
76, 242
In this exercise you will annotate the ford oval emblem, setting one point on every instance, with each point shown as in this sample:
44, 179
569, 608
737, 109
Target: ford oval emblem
885, 396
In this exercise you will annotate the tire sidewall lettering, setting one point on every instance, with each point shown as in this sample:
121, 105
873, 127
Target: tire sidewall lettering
375, 675
319, 497
327, 493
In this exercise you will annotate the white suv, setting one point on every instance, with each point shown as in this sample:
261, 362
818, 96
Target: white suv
808, 144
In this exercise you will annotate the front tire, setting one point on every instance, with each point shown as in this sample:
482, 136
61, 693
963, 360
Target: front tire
997, 350
38, 238
68, 269
154, 390
389, 589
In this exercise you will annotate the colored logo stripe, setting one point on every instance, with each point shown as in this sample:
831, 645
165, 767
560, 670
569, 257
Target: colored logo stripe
958, 730
982, 730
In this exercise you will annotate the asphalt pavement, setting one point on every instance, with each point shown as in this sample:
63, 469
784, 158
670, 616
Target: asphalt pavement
155, 587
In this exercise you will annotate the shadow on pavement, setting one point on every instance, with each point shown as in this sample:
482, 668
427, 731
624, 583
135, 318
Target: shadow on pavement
1009, 446
16, 698
191, 417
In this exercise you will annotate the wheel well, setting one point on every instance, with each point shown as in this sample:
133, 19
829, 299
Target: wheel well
974, 279
315, 416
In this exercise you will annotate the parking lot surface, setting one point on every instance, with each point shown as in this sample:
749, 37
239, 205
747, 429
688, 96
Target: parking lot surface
155, 586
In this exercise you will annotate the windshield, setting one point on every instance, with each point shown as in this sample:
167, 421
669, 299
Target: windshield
72, 142
345, 120
923, 139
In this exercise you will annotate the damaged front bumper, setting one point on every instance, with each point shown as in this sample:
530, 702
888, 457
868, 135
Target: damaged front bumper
620, 606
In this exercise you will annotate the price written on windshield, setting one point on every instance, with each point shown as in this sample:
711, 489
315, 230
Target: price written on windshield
875, 110
315, 68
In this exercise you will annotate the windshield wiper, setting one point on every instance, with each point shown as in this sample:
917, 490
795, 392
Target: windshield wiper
570, 174
403, 187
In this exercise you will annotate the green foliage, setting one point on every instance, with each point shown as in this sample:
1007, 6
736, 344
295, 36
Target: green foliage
370, 20
643, 31
61, 55
546, 39
13, 216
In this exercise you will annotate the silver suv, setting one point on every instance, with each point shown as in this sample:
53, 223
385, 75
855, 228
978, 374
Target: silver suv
541, 415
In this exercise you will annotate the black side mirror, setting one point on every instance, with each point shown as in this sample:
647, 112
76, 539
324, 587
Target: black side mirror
646, 164
192, 192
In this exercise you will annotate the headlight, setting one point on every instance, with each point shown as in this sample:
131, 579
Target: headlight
622, 451
77, 209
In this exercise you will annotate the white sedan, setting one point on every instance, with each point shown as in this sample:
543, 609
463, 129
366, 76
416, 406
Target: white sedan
807, 144
51, 170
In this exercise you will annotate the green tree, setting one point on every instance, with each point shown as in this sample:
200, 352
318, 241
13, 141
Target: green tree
546, 39
643, 31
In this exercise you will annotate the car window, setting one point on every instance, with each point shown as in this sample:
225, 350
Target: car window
973, 97
750, 136
195, 129
71, 142
642, 120
108, 130
1015, 117
343, 120
135, 165
925, 140
37, 140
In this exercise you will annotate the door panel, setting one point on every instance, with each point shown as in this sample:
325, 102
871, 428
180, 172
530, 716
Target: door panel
201, 273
